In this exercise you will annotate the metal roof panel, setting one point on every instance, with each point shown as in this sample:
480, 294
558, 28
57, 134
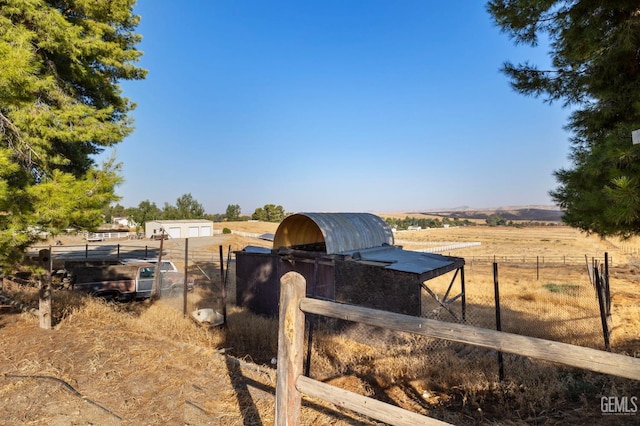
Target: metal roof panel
402, 260
338, 231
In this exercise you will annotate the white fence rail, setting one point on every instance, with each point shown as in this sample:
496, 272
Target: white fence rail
438, 247
102, 236
241, 233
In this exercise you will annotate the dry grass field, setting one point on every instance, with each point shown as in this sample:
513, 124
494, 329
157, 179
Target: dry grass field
145, 363
533, 260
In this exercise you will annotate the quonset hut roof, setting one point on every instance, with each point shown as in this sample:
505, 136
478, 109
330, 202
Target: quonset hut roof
347, 257
358, 237
339, 232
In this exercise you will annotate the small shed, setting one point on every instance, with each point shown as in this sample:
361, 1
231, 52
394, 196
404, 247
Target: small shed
344, 257
186, 228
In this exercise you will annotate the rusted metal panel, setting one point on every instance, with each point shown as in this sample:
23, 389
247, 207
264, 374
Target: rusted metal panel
258, 278
316, 270
338, 232
125, 287
108, 273
257, 286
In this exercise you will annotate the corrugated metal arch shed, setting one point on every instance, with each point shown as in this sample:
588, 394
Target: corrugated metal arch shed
339, 231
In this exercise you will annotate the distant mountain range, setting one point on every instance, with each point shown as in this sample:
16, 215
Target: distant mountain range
530, 213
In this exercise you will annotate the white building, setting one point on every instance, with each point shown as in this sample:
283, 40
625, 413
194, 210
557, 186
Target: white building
187, 228
123, 221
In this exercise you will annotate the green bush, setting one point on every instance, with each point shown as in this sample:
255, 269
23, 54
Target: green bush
562, 288
226, 230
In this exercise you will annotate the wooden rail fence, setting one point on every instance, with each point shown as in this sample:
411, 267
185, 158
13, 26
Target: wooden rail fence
291, 384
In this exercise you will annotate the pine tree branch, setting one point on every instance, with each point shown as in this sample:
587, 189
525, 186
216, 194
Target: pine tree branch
19, 146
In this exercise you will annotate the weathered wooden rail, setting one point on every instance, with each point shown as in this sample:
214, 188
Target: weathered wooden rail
291, 384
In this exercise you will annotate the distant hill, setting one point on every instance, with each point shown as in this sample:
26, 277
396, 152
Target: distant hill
534, 214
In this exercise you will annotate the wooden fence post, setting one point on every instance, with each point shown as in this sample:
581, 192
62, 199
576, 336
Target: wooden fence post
157, 275
186, 273
290, 349
44, 291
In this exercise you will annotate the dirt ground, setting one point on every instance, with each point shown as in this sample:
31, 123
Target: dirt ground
92, 369
50, 377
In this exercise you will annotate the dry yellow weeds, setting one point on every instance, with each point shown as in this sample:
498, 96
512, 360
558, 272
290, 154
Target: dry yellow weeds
147, 364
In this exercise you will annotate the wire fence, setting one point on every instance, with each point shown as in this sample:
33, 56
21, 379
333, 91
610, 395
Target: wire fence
205, 279
554, 306
190, 279
531, 260
213, 281
119, 251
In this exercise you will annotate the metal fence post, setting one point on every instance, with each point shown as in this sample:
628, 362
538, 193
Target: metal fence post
600, 290
496, 290
606, 284
223, 286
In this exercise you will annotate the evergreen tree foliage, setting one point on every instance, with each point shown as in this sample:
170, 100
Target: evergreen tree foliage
169, 212
111, 211
186, 207
269, 213
60, 103
426, 223
145, 212
189, 208
496, 220
233, 212
595, 71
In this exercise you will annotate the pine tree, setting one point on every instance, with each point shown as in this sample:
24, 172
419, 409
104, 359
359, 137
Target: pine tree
595, 70
60, 104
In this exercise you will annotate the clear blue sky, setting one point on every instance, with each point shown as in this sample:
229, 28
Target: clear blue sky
335, 105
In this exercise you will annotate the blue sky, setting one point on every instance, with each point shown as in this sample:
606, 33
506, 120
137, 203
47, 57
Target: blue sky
335, 105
